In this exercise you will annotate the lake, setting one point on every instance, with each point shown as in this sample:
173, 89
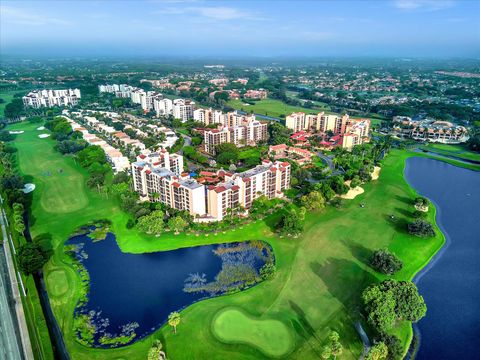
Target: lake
131, 295
451, 282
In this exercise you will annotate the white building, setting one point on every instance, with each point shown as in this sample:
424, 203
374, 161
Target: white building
183, 109
49, 98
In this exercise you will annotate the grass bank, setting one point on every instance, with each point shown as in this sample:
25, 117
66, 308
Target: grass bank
319, 279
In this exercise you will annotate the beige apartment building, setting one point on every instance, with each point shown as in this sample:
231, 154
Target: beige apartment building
164, 159
158, 184
241, 135
240, 190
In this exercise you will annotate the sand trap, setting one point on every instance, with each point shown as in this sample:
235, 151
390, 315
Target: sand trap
41, 128
376, 172
43, 136
353, 193
16, 132
28, 188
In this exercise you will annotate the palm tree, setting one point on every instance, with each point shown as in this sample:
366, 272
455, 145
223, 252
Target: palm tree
174, 320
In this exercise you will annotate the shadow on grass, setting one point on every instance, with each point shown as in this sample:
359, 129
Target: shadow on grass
399, 224
404, 199
404, 212
344, 279
303, 328
359, 252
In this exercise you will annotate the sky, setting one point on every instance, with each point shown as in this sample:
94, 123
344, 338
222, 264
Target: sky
196, 28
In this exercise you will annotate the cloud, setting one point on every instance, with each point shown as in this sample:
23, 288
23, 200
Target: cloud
211, 12
428, 5
26, 18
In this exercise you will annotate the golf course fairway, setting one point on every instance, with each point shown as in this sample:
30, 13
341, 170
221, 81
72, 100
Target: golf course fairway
272, 337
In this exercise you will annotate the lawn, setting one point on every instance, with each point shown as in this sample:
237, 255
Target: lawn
319, 278
7, 96
272, 107
272, 337
457, 150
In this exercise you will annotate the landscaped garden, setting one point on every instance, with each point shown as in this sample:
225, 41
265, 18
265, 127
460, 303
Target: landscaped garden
317, 286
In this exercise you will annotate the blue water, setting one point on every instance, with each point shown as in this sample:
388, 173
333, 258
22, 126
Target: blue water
451, 283
143, 289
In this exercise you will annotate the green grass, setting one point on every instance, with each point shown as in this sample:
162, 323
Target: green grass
272, 337
320, 275
272, 107
7, 96
460, 151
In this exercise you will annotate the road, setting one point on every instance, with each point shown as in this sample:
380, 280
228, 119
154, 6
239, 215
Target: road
14, 337
328, 160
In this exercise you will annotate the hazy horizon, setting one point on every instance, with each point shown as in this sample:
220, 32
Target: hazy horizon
247, 29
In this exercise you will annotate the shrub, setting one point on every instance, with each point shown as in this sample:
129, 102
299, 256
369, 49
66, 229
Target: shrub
267, 271
385, 262
421, 228
130, 223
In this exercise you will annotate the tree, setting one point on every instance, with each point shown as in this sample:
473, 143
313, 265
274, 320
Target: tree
385, 262
421, 228
155, 352
6, 136
174, 320
394, 345
378, 351
335, 344
313, 201
31, 258
151, 223
267, 271
292, 221
393, 300
177, 224
326, 352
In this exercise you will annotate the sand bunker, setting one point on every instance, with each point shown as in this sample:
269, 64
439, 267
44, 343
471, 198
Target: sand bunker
41, 128
376, 172
43, 136
353, 193
16, 132
28, 188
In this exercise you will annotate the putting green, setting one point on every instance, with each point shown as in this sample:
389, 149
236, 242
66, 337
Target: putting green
57, 283
272, 337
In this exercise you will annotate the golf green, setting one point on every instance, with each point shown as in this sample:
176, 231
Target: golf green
272, 337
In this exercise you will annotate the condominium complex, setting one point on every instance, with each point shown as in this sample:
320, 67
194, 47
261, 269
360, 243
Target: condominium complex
164, 159
49, 98
429, 130
256, 94
239, 190
154, 181
350, 132
151, 100
249, 133
162, 185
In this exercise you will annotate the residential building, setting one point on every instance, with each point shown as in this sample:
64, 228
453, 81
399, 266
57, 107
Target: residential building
429, 130
49, 98
256, 94
240, 190
158, 184
164, 159
248, 134
183, 109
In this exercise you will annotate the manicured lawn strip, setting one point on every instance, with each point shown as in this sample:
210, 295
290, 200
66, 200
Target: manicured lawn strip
319, 279
272, 337
271, 107
459, 151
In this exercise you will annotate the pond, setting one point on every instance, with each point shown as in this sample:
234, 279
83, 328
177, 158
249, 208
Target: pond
131, 295
451, 282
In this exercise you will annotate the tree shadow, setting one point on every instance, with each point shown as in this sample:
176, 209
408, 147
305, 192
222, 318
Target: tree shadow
404, 212
359, 252
399, 224
305, 326
404, 199
345, 280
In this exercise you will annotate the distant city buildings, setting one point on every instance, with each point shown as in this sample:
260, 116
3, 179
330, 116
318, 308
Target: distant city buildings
49, 98
256, 94
429, 130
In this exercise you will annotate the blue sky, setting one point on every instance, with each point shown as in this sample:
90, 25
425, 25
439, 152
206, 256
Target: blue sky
432, 28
